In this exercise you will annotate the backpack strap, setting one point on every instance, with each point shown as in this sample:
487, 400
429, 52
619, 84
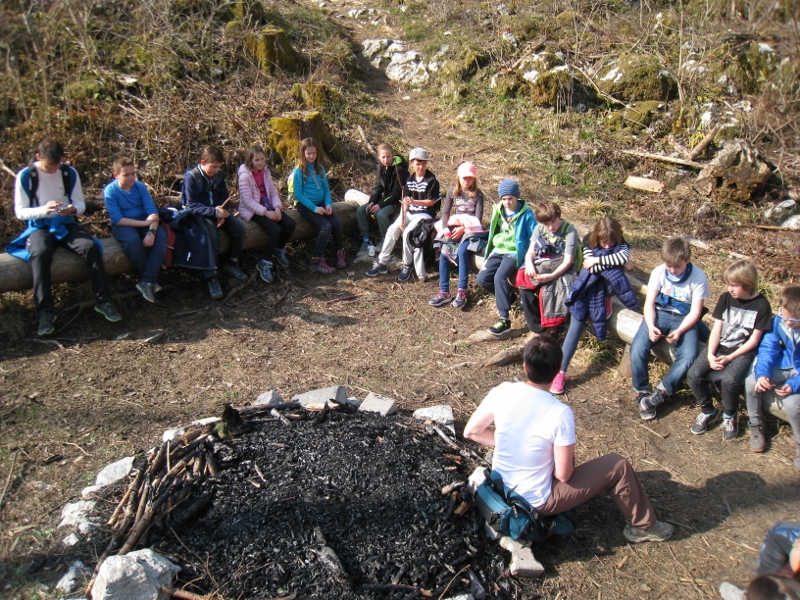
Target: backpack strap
30, 182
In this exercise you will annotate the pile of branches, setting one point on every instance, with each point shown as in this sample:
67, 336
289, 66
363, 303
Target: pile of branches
164, 491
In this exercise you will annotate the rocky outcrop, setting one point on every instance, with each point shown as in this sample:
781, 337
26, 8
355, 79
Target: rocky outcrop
735, 174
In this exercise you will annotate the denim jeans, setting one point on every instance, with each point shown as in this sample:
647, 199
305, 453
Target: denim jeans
147, 261
495, 276
685, 351
325, 225
576, 329
464, 262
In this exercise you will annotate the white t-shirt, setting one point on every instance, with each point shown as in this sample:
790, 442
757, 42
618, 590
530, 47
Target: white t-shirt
528, 423
694, 288
51, 187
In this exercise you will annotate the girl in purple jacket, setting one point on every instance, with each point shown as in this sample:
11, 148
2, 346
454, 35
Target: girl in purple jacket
259, 202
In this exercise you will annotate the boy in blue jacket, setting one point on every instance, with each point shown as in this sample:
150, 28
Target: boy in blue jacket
777, 372
205, 194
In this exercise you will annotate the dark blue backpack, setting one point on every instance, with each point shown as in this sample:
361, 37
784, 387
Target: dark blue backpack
30, 182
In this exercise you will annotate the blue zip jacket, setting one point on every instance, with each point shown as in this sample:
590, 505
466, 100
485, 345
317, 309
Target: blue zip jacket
778, 351
312, 190
524, 223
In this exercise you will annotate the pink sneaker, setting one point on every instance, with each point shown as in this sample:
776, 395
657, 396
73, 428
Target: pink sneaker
320, 266
341, 263
557, 387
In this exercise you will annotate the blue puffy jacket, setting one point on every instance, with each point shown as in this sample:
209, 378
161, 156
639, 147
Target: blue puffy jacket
778, 351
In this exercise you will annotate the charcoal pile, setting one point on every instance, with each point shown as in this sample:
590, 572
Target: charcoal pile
336, 504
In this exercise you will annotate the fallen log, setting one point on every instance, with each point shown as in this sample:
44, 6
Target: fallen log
15, 275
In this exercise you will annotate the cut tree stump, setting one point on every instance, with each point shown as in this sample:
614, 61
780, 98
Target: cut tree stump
15, 275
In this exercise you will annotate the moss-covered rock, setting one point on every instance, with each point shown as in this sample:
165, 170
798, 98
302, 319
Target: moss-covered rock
551, 82
637, 117
289, 129
637, 79
271, 49
752, 65
507, 85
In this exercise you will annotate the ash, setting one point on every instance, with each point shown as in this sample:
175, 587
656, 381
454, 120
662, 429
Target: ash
337, 506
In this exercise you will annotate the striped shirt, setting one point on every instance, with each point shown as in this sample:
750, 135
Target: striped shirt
427, 189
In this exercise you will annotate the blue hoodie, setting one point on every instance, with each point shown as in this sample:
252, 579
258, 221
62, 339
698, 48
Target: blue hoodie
778, 351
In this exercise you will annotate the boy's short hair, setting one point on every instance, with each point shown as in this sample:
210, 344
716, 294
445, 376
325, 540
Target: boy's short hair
676, 249
50, 151
790, 299
542, 357
212, 154
744, 273
547, 211
385, 146
120, 163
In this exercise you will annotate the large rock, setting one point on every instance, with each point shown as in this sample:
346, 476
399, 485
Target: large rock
78, 515
135, 576
734, 174
551, 81
632, 78
112, 473
408, 67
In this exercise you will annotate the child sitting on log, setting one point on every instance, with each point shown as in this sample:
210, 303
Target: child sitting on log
135, 225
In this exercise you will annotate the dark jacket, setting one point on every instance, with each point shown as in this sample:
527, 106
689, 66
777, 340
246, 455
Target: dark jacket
389, 182
201, 195
587, 295
195, 243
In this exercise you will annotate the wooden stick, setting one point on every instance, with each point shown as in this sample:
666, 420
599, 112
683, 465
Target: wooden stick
354, 296
8, 479
182, 594
669, 159
6, 169
364, 138
698, 150
279, 416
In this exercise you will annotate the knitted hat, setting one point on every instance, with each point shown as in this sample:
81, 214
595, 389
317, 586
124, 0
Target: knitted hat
508, 187
467, 169
418, 154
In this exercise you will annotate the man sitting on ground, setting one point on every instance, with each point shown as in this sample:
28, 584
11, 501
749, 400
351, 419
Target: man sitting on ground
534, 440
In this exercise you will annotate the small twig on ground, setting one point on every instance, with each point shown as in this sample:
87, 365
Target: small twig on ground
78, 447
662, 436
8, 479
669, 159
183, 594
698, 150
239, 288
344, 298
364, 139
56, 343
186, 313
281, 297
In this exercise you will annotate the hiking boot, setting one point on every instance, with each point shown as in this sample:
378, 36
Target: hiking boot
440, 299
649, 404
758, 442
405, 274
280, 256
659, 532
377, 269
557, 387
318, 265
461, 298
214, 290
264, 268
147, 291
730, 429
500, 327
47, 322
232, 269
108, 310
704, 421
341, 263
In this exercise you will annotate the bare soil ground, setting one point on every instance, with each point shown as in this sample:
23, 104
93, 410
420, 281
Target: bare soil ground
98, 392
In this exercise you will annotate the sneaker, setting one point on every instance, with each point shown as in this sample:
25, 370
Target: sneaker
232, 270
405, 274
156, 288
557, 387
214, 290
639, 397
649, 404
659, 532
377, 269
500, 327
440, 299
461, 298
704, 421
146, 290
341, 263
280, 256
47, 322
363, 248
728, 591
758, 442
730, 429
108, 310
318, 265
264, 268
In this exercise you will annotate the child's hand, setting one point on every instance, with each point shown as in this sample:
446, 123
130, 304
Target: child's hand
148, 240
784, 391
320, 210
716, 363
407, 201
329, 210
543, 278
222, 213
763, 384
590, 261
654, 333
53, 206
629, 265
673, 337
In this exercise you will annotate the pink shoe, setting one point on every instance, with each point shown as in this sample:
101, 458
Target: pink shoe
557, 387
341, 263
319, 265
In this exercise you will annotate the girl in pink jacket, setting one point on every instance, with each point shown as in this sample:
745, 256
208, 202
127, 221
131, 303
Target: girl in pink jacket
259, 201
